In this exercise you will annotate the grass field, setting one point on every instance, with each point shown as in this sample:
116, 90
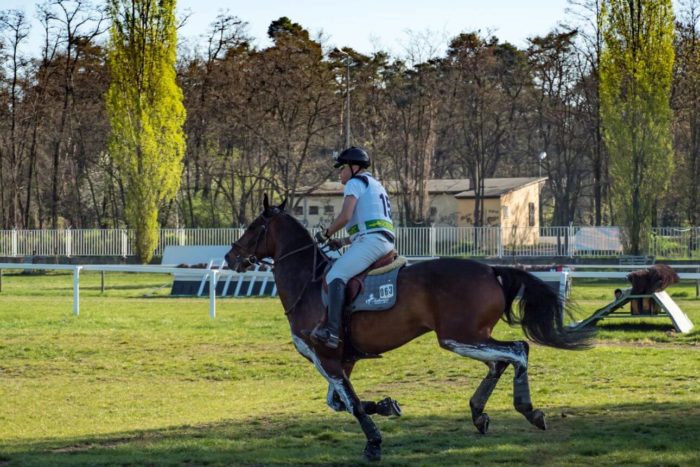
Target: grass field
141, 378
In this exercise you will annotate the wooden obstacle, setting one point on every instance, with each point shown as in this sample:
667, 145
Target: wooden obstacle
663, 303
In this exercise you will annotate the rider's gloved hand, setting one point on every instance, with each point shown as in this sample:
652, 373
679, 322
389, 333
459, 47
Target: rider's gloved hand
335, 244
322, 236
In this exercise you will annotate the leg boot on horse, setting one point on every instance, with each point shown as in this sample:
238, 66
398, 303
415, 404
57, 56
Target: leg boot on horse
328, 334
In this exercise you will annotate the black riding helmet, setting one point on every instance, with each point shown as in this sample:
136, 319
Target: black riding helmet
353, 155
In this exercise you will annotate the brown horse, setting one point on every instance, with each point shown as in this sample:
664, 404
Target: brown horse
461, 300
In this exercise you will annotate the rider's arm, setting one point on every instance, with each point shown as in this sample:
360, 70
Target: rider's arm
345, 214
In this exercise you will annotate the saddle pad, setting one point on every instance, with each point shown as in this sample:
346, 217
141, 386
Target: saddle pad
378, 293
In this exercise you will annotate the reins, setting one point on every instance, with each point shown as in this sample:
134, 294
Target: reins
252, 259
313, 277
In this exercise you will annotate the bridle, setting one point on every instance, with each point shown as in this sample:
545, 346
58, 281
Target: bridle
252, 259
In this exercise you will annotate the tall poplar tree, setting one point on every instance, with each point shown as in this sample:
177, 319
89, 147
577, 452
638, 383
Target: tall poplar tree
635, 89
146, 113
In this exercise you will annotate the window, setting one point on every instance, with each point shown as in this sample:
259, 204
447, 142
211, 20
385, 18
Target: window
328, 210
433, 211
299, 211
531, 214
313, 210
504, 210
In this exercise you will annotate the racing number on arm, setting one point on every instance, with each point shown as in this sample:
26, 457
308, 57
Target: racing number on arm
386, 204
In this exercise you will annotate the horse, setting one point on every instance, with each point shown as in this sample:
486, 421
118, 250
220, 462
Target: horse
460, 300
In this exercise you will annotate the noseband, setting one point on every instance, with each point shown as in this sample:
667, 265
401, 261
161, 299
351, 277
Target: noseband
252, 259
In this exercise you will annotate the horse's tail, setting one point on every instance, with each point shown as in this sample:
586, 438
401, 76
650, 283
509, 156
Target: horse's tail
540, 311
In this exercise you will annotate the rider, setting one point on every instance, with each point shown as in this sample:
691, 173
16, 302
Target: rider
366, 214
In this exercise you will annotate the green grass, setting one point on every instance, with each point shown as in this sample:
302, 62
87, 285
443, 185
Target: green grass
141, 378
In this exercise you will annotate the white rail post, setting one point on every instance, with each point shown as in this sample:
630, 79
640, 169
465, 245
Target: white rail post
76, 290
125, 242
433, 241
499, 242
14, 242
68, 238
212, 293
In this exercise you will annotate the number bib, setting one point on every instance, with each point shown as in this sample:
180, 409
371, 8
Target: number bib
373, 209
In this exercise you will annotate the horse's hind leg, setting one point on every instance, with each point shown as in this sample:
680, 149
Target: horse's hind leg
497, 355
521, 391
478, 401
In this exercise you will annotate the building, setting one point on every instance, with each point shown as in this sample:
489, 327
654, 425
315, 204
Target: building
512, 203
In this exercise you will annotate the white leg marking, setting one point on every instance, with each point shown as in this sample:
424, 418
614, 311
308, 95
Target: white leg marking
331, 401
334, 383
489, 353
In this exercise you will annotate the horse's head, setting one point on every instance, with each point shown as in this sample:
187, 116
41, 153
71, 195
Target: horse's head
258, 241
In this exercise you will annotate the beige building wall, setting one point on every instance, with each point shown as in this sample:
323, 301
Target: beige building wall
492, 210
517, 212
520, 222
319, 211
444, 209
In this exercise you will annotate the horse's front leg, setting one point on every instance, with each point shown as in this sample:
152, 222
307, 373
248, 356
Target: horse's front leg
386, 407
338, 382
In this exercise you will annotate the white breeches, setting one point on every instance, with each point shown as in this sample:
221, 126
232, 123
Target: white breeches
364, 250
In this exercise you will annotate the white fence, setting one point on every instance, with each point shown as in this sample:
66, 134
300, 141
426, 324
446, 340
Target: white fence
572, 241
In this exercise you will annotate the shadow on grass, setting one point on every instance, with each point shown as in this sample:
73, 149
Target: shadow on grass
637, 327
636, 433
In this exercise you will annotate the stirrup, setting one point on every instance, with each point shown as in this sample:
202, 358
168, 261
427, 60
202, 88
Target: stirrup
325, 337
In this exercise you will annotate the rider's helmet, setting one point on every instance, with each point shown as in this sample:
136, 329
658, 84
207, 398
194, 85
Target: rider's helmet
353, 155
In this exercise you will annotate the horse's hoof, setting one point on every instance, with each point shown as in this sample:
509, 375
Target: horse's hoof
373, 450
537, 419
395, 408
388, 407
482, 423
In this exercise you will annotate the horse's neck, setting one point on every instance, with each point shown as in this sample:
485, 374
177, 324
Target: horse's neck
296, 274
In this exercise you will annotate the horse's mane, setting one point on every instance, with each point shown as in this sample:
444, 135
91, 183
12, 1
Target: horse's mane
306, 235
653, 279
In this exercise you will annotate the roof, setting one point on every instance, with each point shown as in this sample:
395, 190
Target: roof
457, 187
496, 187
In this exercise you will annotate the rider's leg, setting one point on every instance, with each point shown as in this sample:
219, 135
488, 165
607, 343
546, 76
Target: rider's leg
329, 334
364, 251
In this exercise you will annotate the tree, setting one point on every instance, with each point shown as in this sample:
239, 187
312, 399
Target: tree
557, 120
412, 114
686, 103
635, 87
588, 15
486, 79
290, 108
146, 112
15, 27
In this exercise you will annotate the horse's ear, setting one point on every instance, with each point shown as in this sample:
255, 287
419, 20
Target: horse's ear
284, 203
266, 203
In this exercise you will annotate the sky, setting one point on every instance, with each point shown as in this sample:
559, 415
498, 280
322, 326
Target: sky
368, 25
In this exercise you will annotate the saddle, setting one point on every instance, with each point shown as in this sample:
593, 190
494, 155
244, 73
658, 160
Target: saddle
382, 276
372, 289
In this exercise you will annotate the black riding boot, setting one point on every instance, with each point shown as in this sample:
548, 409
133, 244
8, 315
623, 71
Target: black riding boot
328, 333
